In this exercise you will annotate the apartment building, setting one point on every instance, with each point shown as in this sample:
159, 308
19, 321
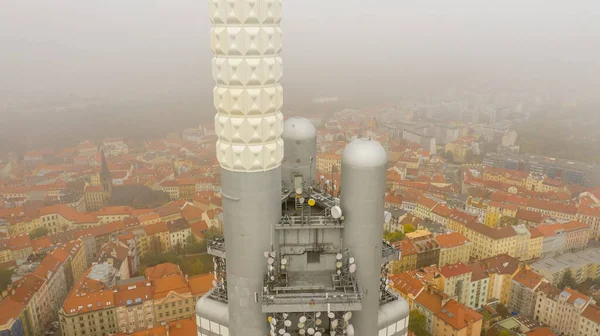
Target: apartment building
563, 312
501, 269
582, 265
457, 280
134, 306
522, 291
590, 215
454, 247
408, 257
496, 210
478, 286
329, 162
424, 207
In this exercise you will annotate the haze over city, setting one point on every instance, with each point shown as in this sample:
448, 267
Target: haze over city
147, 63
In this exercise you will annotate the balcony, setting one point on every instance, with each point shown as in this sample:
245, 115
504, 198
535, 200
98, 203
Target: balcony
311, 292
306, 222
216, 247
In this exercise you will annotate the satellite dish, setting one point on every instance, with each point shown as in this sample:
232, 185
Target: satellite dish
338, 264
282, 267
387, 217
338, 256
310, 331
266, 254
336, 212
311, 202
300, 325
272, 278
318, 333
214, 283
351, 260
350, 330
273, 321
271, 268
347, 316
272, 254
332, 333
287, 323
272, 333
331, 315
287, 334
339, 272
302, 319
317, 314
298, 191
269, 318
283, 261
322, 177
285, 315
270, 261
281, 331
301, 331
387, 287
352, 268
318, 322
334, 324
342, 218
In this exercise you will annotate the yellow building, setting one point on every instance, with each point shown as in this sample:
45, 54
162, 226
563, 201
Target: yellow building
326, 162
461, 149
496, 210
408, 257
488, 242
156, 240
454, 247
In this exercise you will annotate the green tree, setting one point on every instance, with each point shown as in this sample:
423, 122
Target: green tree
213, 232
408, 228
417, 323
393, 236
567, 281
505, 332
5, 278
39, 232
508, 221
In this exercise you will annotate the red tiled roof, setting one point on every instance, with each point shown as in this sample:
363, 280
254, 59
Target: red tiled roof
201, 284
552, 206
452, 239
406, 246
458, 315
575, 295
592, 313
529, 216
494, 233
162, 270
453, 270
426, 202
528, 278
407, 284
478, 271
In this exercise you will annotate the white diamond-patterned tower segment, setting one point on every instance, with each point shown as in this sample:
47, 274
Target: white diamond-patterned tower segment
247, 69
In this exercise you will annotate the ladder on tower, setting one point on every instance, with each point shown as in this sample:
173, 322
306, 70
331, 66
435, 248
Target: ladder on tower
298, 204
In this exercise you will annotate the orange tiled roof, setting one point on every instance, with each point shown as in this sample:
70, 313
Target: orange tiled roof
458, 315
406, 246
453, 270
452, 239
200, 284
162, 270
575, 295
172, 283
139, 291
528, 278
152, 229
407, 284
592, 313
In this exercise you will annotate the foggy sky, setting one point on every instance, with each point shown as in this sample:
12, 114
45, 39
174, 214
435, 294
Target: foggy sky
142, 49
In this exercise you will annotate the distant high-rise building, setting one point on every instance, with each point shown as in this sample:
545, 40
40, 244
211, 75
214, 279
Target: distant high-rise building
293, 260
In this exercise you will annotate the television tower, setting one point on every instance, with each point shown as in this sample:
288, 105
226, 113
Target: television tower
294, 260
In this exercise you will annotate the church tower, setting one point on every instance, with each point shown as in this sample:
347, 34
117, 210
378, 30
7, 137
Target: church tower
105, 181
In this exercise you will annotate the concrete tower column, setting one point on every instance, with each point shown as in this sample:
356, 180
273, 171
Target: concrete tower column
364, 165
247, 69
